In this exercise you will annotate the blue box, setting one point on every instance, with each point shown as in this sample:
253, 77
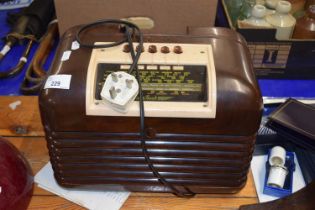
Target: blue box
288, 184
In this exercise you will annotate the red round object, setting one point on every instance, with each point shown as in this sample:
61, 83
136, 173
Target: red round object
16, 180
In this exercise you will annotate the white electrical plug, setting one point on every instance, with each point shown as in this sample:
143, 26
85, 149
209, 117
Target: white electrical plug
120, 90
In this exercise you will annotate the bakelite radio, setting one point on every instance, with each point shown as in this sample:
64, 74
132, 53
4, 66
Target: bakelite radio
202, 111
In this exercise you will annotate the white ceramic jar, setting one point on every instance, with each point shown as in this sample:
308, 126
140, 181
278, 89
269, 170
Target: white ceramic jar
282, 20
272, 4
257, 19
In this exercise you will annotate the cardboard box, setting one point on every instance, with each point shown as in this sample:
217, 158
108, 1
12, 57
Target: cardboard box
169, 16
278, 59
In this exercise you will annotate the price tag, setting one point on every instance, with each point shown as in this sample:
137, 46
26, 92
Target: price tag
59, 81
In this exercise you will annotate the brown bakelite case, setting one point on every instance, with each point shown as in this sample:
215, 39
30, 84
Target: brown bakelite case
202, 155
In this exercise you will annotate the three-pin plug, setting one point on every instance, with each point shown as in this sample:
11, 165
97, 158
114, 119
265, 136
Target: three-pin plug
120, 90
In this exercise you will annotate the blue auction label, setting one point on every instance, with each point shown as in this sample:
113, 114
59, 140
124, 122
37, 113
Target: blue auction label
15, 4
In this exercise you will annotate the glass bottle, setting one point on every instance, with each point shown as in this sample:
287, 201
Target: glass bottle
282, 20
234, 8
305, 26
246, 9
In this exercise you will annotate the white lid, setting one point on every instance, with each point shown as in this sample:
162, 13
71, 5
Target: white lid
283, 7
259, 11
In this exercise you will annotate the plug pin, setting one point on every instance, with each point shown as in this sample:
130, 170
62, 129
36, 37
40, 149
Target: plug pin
114, 77
129, 83
113, 92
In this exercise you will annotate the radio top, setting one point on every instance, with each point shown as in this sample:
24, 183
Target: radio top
207, 76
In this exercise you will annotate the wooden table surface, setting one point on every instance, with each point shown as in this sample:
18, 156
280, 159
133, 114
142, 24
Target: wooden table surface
21, 125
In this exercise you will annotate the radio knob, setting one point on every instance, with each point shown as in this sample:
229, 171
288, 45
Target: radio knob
152, 49
165, 49
126, 48
178, 50
137, 48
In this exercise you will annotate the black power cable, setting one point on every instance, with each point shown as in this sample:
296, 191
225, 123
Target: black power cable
130, 31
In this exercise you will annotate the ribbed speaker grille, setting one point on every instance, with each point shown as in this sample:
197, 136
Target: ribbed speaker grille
207, 161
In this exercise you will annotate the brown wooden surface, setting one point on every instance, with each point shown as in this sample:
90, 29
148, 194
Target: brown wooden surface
33, 145
24, 118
